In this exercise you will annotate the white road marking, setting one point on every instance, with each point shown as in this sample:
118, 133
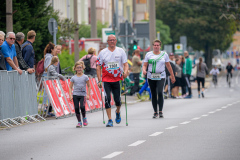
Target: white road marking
218, 109
212, 112
196, 118
137, 143
229, 104
172, 127
114, 154
186, 122
156, 134
205, 115
225, 107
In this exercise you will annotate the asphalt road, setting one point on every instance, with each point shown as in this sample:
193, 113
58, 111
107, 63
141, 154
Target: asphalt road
198, 128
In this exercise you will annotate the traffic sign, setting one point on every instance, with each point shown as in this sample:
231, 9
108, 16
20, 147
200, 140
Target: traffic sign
52, 26
105, 33
178, 49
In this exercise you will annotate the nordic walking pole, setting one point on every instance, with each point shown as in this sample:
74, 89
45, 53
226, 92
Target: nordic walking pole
125, 102
102, 105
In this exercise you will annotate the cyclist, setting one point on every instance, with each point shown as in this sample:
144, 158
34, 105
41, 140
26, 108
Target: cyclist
229, 70
214, 72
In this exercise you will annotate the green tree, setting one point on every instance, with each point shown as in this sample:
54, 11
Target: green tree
199, 21
85, 30
31, 15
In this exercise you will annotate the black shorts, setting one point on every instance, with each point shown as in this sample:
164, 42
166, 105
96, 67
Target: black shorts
114, 88
178, 81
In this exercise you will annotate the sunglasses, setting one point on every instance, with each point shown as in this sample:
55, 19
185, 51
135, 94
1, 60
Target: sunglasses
12, 38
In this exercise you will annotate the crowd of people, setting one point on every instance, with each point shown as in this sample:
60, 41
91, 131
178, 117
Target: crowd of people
164, 74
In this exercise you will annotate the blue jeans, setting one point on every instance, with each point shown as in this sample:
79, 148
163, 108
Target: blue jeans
145, 88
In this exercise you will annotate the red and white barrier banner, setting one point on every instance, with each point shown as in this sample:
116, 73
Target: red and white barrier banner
98, 92
89, 103
66, 92
61, 97
94, 95
54, 99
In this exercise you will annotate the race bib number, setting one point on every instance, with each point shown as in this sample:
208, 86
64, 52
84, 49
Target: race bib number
113, 65
155, 76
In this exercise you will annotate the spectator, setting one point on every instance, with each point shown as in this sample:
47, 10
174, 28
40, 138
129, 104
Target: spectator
58, 51
27, 49
2, 59
172, 58
93, 58
49, 51
9, 52
2, 33
168, 87
183, 79
188, 73
177, 84
52, 71
18, 42
136, 69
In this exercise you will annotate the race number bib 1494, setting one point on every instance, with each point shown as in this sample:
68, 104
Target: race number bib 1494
113, 65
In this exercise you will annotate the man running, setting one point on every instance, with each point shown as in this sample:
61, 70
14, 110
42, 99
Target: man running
112, 59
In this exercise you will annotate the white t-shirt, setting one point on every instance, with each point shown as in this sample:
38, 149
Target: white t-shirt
112, 64
214, 71
156, 65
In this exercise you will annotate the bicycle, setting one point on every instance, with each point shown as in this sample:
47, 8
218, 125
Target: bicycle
229, 78
214, 79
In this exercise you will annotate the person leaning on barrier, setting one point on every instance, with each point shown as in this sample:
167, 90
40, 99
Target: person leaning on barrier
18, 42
9, 52
27, 49
52, 69
2, 59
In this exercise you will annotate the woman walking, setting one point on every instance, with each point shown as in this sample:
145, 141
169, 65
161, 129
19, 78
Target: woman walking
156, 75
201, 73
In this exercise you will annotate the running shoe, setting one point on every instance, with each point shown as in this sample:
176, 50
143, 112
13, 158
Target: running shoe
202, 95
118, 117
85, 122
160, 115
155, 115
110, 123
199, 96
79, 125
139, 96
188, 97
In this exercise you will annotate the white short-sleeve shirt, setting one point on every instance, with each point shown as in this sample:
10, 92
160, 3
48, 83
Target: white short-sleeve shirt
156, 63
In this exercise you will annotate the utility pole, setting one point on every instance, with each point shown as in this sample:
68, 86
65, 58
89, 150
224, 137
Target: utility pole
9, 19
69, 36
76, 36
93, 19
152, 22
134, 12
113, 13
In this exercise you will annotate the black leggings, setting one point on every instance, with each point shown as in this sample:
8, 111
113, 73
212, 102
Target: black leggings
82, 100
156, 87
200, 80
113, 87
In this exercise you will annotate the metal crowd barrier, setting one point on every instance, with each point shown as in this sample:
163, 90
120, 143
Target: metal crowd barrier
18, 98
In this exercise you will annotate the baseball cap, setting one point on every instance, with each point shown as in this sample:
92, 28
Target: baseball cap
171, 54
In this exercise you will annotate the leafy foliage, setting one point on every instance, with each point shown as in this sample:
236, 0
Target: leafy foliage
85, 30
199, 21
31, 15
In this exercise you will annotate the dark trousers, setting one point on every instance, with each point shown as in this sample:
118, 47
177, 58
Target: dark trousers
135, 88
156, 87
200, 80
113, 87
82, 100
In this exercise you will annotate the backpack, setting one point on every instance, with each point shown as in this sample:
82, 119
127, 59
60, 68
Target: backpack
40, 66
87, 64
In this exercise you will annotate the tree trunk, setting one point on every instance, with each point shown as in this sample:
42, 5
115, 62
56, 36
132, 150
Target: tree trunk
208, 56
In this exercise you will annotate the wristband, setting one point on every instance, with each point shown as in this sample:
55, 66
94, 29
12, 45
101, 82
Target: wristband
99, 81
